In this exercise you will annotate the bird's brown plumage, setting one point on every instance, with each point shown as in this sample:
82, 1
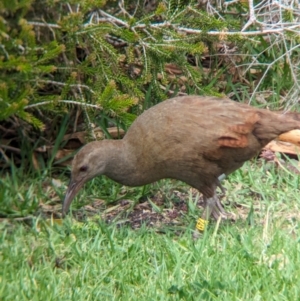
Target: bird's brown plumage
194, 139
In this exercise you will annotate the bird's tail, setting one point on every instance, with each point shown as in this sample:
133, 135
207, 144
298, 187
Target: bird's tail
271, 124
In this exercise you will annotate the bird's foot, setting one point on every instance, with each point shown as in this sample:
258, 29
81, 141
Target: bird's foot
218, 211
214, 208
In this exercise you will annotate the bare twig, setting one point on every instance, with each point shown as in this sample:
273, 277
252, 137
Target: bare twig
7, 160
11, 148
73, 102
79, 86
41, 24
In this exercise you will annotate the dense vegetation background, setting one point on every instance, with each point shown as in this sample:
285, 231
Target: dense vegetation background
76, 71
67, 67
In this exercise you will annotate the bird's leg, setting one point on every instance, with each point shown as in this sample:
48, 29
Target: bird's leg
218, 203
221, 187
219, 206
212, 207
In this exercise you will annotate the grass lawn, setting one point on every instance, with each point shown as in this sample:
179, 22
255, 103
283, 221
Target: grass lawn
255, 257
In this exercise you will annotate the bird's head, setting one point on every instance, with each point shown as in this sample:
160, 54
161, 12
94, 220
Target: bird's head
89, 162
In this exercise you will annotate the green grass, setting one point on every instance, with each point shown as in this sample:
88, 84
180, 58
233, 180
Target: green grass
257, 257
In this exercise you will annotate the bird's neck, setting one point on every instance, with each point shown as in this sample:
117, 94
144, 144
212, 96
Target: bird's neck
121, 166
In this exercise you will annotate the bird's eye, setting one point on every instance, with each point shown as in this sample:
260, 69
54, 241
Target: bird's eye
83, 168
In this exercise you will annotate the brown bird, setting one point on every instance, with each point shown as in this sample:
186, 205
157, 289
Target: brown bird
194, 139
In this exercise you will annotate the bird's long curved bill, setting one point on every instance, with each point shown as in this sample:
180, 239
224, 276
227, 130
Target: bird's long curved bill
73, 188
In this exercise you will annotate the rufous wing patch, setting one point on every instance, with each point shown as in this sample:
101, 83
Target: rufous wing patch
234, 142
237, 135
